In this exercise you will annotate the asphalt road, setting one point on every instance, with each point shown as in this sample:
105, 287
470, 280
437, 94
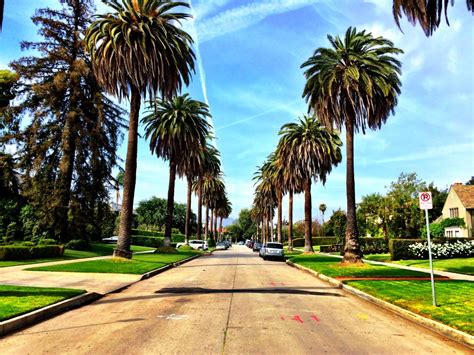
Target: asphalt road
231, 302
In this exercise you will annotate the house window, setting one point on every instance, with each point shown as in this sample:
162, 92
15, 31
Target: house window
454, 212
449, 234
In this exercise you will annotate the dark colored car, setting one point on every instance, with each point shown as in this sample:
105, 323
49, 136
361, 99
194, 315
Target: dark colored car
256, 246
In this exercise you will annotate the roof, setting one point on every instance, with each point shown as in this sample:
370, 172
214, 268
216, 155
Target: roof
465, 194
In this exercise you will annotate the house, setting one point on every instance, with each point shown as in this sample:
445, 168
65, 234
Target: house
459, 204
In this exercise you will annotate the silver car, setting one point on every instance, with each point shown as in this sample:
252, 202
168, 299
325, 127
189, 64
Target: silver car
272, 250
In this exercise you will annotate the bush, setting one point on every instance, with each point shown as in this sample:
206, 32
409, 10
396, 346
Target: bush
446, 250
12, 231
211, 243
152, 242
373, 245
185, 248
28, 244
22, 252
166, 250
47, 241
78, 244
147, 233
178, 238
399, 248
299, 242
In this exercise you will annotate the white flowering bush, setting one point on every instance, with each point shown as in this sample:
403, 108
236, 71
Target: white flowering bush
445, 250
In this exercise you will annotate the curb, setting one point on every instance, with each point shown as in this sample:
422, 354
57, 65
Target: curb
24, 320
28, 319
437, 327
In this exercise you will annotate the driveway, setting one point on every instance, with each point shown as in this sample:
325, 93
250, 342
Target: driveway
231, 302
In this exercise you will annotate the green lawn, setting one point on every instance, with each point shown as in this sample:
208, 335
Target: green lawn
459, 265
97, 249
291, 254
332, 267
455, 299
139, 264
18, 300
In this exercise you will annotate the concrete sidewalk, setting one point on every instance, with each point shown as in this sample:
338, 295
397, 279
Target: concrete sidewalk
451, 275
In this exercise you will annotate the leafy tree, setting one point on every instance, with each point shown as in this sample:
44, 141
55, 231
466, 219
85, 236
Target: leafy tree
353, 84
7, 81
235, 231
471, 181
427, 13
375, 213
246, 223
439, 198
138, 49
336, 225
313, 150
68, 142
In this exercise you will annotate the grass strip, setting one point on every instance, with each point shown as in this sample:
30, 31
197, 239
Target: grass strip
97, 249
138, 265
17, 300
332, 267
455, 299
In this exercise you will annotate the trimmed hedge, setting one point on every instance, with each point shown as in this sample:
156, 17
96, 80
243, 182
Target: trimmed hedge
299, 242
152, 242
78, 244
175, 237
21, 252
399, 247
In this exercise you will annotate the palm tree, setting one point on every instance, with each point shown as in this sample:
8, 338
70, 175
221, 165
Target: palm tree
353, 84
427, 13
322, 208
223, 211
118, 184
210, 165
313, 150
176, 129
212, 186
265, 199
140, 48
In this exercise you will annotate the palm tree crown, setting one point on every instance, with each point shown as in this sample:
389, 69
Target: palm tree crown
141, 46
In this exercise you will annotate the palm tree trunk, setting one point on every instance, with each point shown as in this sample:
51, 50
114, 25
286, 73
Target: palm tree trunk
279, 218
308, 241
206, 224
322, 226
290, 221
220, 228
211, 224
170, 204
264, 229
187, 227
215, 223
199, 216
352, 252
126, 214
271, 230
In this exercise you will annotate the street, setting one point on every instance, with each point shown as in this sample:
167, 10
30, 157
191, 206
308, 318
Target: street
230, 302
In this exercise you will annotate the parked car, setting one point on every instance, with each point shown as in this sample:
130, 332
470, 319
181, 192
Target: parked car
111, 240
257, 246
272, 251
228, 243
221, 246
241, 242
195, 244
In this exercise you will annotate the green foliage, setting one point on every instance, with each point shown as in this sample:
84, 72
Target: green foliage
9, 209
28, 244
211, 243
21, 252
437, 229
246, 224
167, 250
47, 241
235, 231
399, 250
78, 244
185, 248
147, 241
147, 233
12, 231
336, 225
7, 81
299, 242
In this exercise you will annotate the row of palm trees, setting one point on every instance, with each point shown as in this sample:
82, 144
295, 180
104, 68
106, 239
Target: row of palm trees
352, 84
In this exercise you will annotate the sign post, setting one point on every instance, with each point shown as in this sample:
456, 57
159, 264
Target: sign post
426, 203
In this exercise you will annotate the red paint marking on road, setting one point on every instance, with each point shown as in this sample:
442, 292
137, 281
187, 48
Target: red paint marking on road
315, 318
272, 283
297, 318
282, 317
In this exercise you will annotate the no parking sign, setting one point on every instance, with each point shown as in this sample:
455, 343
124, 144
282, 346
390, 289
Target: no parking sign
426, 202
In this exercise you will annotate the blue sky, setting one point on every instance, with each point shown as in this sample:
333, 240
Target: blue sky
250, 55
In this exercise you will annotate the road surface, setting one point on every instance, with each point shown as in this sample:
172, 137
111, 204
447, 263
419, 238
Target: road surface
231, 302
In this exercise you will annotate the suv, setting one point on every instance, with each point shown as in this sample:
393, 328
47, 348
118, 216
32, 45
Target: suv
195, 244
272, 250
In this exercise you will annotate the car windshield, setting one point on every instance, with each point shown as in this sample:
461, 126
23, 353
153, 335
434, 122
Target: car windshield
274, 246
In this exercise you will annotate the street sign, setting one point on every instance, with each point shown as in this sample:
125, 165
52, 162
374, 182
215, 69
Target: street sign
426, 203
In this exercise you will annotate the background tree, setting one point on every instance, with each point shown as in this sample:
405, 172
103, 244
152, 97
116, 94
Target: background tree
427, 13
313, 150
322, 208
336, 225
119, 179
246, 223
375, 210
7, 80
176, 129
353, 84
139, 48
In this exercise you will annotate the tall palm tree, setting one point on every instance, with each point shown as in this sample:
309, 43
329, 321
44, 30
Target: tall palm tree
118, 185
223, 211
322, 208
176, 129
265, 199
212, 186
353, 84
136, 50
313, 149
210, 165
427, 13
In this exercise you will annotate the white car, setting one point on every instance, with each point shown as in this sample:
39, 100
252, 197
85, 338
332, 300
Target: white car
113, 239
272, 250
195, 244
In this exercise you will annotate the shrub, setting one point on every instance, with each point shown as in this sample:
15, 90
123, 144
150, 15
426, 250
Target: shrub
78, 244
373, 245
12, 231
47, 241
22, 252
152, 242
399, 248
437, 229
28, 244
185, 248
211, 243
178, 238
299, 242
456, 249
165, 250
146, 233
